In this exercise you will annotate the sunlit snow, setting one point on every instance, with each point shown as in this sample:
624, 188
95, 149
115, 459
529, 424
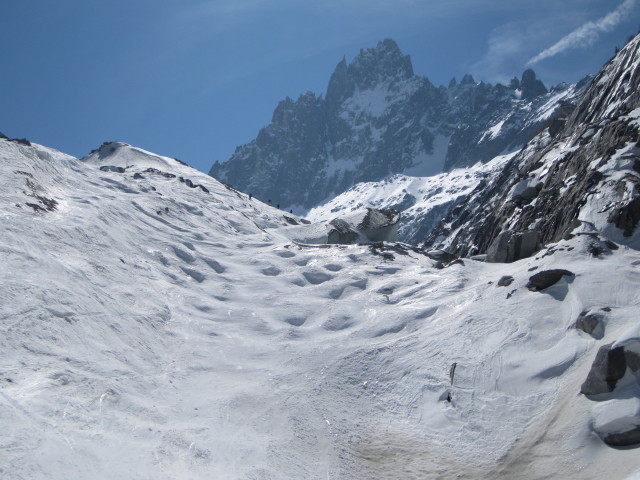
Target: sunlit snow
152, 328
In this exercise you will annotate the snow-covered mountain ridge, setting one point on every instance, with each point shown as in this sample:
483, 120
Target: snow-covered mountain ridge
423, 201
586, 168
377, 119
588, 173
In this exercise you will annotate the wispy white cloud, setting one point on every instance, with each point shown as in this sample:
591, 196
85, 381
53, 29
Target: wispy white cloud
588, 33
507, 46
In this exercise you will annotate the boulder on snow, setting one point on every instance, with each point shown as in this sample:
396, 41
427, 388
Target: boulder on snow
112, 168
341, 233
376, 225
546, 278
380, 225
591, 322
441, 255
21, 141
505, 281
617, 421
623, 439
629, 341
511, 246
608, 367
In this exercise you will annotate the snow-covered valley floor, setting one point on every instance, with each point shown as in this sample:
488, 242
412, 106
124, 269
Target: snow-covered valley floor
151, 328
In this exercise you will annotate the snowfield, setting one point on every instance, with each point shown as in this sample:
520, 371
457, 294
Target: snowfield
158, 324
423, 200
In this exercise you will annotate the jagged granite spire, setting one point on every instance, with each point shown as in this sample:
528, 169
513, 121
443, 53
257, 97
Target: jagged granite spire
531, 86
378, 118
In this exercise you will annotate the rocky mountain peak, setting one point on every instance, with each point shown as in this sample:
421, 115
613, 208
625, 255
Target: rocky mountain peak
531, 86
341, 85
467, 80
373, 66
288, 109
378, 118
616, 87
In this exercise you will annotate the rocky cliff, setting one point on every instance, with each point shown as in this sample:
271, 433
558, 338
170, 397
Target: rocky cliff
378, 118
581, 177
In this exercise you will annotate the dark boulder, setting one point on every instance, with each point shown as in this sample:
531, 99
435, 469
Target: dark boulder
380, 225
441, 256
159, 172
591, 322
623, 439
608, 367
341, 233
505, 281
111, 168
374, 225
546, 278
511, 246
21, 141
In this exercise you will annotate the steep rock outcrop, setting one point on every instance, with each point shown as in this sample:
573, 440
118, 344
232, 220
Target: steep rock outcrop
377, 119
585, 174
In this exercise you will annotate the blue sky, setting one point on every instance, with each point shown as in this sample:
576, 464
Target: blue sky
193, 79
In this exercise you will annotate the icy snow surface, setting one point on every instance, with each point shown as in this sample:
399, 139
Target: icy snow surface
422, 200
153, 330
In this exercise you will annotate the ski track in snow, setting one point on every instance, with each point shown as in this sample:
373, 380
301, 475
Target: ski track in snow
152, 330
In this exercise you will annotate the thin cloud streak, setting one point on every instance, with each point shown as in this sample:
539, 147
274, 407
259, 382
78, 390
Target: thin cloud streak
588, 33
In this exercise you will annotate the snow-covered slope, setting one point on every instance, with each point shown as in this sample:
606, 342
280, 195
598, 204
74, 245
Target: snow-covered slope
158, 324
423, 201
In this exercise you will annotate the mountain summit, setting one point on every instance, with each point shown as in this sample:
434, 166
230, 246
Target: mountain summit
379, 118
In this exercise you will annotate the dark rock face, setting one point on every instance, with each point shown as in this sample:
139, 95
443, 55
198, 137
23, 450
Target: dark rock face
627, 216
531, 86
378, 118
598, 128
607, 368
633, 360
509, 247
546, 279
